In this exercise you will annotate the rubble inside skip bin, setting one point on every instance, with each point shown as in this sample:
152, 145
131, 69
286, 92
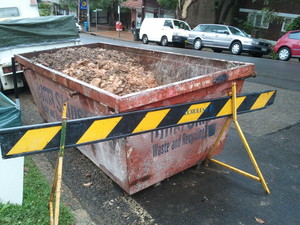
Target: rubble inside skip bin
111, 70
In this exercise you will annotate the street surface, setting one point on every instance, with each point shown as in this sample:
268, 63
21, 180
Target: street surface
212, 195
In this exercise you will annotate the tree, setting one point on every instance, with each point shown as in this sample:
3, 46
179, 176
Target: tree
72, 4
222, 7
182, 6
109, 5
44, 9
219, 5
171, 4
295, 25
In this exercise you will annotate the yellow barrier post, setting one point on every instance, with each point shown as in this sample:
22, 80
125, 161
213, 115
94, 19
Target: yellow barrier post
56, 185
258, 178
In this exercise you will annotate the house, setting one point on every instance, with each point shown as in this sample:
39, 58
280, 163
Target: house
244, 14
282, 13
141, 9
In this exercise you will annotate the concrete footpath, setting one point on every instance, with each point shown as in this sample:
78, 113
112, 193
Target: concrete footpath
122, 35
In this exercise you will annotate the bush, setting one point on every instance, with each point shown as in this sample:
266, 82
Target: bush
295, 25
244, 25
44, 9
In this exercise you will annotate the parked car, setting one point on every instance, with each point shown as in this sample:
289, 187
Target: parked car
223, 37
164, 31
79, 28
288, 46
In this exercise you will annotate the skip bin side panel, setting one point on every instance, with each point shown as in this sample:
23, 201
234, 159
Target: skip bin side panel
155, 156
110, 157
158, 155
49, 97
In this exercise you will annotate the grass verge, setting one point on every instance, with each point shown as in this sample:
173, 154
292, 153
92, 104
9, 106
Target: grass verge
35, 202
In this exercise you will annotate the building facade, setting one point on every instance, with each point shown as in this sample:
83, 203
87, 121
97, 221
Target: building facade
282, 14
141, 9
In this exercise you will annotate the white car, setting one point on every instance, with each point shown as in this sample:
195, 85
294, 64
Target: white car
164, 31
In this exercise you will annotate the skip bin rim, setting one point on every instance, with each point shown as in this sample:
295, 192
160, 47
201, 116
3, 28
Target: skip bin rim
119, 103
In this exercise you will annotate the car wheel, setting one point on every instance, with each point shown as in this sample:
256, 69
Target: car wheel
284, 54
218, 50
164, 41
236, 48
299, 59
197, 44
145, 39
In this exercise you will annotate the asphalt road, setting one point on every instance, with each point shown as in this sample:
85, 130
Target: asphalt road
211, 195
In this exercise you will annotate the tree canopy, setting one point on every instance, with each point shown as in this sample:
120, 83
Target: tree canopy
295, 25
171, 4
221, 7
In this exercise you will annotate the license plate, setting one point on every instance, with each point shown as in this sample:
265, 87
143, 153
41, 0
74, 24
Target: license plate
264, 49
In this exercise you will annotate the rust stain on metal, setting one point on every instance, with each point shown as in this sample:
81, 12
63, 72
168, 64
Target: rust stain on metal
140, 180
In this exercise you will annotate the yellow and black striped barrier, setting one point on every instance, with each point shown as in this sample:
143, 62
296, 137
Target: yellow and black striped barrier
20, 141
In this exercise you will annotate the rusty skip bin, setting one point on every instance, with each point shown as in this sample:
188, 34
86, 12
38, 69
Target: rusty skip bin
139, 161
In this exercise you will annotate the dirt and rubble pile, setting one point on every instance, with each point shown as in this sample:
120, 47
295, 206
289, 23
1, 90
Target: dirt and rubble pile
111, 70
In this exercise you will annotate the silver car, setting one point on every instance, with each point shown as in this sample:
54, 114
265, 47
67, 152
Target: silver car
222, 37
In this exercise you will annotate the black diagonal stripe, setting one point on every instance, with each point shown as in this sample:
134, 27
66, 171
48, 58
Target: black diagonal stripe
8, 141
76, 130
127, 124
214, 108
174, 115
247, 103
271, 100
54, 143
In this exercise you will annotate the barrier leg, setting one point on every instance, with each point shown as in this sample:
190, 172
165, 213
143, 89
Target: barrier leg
56, 185
258, 178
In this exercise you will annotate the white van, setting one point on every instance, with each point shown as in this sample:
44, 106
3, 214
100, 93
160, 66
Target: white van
18, 9
164, 31
23, 30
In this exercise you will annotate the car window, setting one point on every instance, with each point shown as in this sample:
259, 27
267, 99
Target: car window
236, 31
294, 35
181, 25
209, 28
215, 29
221, 29
9, 12
200, 27
168, 23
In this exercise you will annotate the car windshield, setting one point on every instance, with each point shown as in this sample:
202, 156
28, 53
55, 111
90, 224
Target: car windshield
181, 25
239, 32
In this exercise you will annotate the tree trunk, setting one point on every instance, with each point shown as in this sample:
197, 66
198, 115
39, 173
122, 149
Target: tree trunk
226, 11
218, 10
179, 9
185, 7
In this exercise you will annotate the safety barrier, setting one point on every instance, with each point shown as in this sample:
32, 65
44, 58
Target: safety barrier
40, 138
33, 139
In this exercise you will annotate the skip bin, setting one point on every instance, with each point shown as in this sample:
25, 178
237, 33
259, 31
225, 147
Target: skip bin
140, 161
